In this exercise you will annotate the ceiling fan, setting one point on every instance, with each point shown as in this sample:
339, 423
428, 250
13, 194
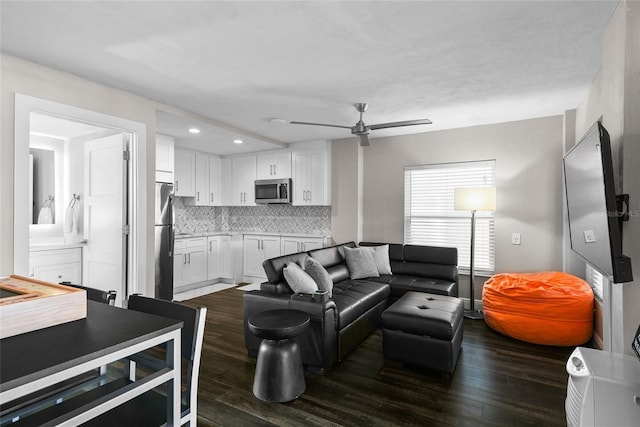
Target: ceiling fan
361, 130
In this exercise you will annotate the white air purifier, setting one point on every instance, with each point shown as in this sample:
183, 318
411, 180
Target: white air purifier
603, 389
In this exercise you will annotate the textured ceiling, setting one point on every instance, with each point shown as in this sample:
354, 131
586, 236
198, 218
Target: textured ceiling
242, 63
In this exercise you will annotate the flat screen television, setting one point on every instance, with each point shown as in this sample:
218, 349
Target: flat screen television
594, 217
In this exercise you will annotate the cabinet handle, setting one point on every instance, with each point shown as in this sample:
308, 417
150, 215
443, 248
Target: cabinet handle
59, 276
275, 169
304, 247
210, 246
185, 258
189, 257
211, 197
176, 186
197, 195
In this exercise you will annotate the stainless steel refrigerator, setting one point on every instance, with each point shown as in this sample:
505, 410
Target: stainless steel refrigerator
164, 234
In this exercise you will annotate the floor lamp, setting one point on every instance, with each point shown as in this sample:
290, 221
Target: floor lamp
474, 199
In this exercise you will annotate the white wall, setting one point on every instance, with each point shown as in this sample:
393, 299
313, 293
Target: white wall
528, 169
614, 95
346, 191
19, 76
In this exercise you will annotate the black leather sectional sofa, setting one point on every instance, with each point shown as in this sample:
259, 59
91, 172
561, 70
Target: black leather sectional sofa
342, 322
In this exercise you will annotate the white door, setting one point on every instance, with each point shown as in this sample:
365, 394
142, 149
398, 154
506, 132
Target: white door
105, 194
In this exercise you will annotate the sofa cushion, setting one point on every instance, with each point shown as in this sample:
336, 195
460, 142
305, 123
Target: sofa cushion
273, 267
332, 255
360, 263
396, 250
319, 275
381, 258
298, 280
400, 284
353, 298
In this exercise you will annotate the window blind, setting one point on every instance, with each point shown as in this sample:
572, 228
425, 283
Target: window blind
429, 217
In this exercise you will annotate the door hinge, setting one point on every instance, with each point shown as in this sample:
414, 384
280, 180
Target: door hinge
126, 155
126, 230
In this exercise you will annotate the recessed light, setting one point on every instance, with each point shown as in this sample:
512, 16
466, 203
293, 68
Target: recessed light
194, 130
238, 141
278, 121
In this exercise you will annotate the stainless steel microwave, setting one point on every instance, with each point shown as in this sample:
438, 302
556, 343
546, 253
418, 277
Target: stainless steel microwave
273, 191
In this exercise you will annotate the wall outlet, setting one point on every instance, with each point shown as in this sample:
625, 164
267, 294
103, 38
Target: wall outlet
515, 238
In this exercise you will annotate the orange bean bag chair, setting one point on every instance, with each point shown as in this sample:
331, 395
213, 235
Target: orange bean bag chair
550, 308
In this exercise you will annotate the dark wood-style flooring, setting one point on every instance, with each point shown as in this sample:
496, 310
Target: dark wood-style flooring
498, 381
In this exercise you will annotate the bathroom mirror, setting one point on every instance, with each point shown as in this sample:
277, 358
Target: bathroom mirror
46, 184
43, 186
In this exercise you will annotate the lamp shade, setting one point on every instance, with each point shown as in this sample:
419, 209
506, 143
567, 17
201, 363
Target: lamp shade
474, 199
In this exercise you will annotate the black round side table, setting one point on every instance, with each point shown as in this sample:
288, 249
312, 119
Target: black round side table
279, 374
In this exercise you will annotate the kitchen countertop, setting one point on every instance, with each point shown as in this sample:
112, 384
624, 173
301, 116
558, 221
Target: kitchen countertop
221, 233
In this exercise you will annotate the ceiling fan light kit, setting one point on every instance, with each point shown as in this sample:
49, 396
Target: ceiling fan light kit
361, 130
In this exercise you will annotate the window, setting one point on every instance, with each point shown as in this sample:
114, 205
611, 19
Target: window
429, 217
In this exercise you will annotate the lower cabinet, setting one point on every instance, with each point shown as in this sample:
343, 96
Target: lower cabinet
257, 248
293, 244
219, 259
189, 261
56, 265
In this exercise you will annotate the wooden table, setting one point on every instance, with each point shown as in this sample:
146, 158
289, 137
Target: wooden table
35, 360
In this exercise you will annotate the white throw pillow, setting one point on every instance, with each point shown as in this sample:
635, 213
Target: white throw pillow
319, 274
299, 281
360, 263
381, 257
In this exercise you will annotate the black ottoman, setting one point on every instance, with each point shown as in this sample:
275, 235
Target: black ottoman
424, 330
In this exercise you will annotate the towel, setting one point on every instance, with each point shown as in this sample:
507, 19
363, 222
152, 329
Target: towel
71, 219
44, 217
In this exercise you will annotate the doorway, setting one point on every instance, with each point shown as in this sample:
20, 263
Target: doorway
98, 181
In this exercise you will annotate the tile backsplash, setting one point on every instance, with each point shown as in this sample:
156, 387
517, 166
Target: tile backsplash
261, 218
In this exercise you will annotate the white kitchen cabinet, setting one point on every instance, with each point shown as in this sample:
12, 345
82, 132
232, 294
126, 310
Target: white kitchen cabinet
258, 248
311, 177
243, 181
201, 180
293, 244
219, 257
226, 181
215, 181
56, 265
164, 158
207, 180
189, 261
185, 173
273, 165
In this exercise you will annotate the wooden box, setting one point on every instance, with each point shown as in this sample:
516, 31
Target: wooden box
28, 304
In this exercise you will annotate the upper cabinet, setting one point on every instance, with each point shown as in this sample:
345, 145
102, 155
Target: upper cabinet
164, 158
273, 165
185, 173
312, 174
207, 180
243, 171
230, 181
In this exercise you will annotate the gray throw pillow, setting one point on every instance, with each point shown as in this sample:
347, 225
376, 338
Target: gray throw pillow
381, 258
360, 263
319, 274
299, 281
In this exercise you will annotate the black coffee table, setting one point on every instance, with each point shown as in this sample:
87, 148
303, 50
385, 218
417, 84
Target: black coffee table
279, 374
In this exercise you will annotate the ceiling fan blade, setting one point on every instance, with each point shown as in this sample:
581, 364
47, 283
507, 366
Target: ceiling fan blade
319, 124
399, 124
364, 140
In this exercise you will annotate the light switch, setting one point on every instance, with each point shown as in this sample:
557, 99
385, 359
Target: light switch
515, 238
